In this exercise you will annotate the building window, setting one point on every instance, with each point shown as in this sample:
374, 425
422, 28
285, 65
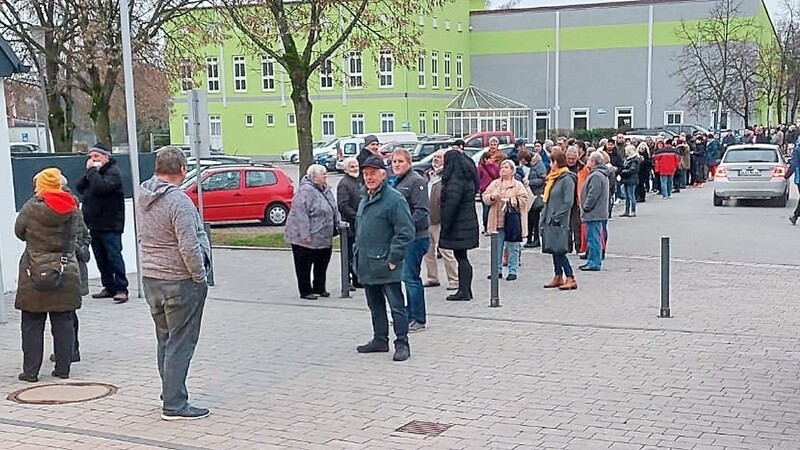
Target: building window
447, 70
542, 124
212, 71
186, 132
387, 122
385, 69
215, 131
435, 69
291, 119
580, 118
723, 123
423, 122
355, 71
267, 73
459, 72
328, 125
434, 23
187, 82
673, 117
239, 74
270, 120
623, 117
435, 122
248, 120
447, 25
357, 123
421, 70
326, 75
422, 20
460, 27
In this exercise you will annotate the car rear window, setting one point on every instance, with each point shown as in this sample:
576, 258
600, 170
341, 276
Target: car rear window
258, 178
751, 155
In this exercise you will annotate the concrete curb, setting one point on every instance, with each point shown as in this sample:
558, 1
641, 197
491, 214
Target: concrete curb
241, 247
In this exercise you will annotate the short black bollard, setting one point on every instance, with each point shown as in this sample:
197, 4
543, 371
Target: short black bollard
494, 301
210, 272
665, 313
344, 258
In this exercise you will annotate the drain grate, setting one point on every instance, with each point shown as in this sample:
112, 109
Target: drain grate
61, 393
430, 429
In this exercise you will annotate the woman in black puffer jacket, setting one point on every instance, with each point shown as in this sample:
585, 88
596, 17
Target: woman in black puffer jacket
459, 220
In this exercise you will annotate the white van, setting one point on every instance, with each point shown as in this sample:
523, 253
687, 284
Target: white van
351, 146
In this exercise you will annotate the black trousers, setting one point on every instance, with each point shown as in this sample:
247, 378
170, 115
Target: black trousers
575, 230
62, 325
533, 224
464, 273
797, 209
307, 260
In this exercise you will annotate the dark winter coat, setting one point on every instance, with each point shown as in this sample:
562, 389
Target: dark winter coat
630, 170
348, 194
385, 229
537, 177
459, 221
415, 190
42, 230
103, 198
558, 208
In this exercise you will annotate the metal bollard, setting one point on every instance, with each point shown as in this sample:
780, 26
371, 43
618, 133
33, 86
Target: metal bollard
344, 258
210, 273
494, 301
665, 313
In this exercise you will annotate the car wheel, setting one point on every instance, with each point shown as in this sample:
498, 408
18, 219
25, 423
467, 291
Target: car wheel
717, 200
782, 200
276, 214
295, 159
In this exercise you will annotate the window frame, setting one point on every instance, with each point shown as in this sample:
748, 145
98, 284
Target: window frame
238, 172
239, 80
270, 119
357, 118
421, 59
669, 113
248, 120
618, 114
249, 171
460, 72
267, 73
357, 58
385, 116
212, 79
434, 69
385, 69
435, 122
448, 80
326, 73
573, 115
291, 119
328, 119
423, 122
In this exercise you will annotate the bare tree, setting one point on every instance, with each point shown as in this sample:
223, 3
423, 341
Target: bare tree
304, 37
709, 60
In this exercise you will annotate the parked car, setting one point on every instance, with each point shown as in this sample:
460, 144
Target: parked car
293, 156
690, 130
481, 140
503, 148
240, 193
433, 137
188, 151
643, 133
351, 145
24, 147
191, 162
425, 148
752, 171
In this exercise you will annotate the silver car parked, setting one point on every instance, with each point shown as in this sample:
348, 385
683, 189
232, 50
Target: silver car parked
752, 171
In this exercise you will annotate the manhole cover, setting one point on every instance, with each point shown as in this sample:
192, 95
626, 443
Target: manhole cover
430, 429
60, 393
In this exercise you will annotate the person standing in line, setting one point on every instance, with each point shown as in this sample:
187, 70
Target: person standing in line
371, 145
103, 199
348, 194
559, 196
577, 233
536, 180
629, 179
175, 257
435, 207
312, 223
794, 173
415, 190
488, 171
48, 223
459, 224
383, 235
503, 195
712, 156
594, 208
645, 169
666, 162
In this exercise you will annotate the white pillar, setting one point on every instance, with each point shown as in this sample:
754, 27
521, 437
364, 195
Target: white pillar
649, 101
557, 106
8, 241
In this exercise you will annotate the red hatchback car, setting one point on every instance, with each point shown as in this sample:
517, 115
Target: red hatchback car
239, 193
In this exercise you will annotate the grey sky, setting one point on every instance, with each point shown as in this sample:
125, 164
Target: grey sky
773, 6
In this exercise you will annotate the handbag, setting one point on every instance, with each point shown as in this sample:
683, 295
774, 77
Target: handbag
555, 239
512, 227
50, 279
538, 203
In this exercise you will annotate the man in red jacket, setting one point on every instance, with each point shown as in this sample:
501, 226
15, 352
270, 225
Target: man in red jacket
666, 162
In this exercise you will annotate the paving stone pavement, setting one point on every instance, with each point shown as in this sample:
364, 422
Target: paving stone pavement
593, 368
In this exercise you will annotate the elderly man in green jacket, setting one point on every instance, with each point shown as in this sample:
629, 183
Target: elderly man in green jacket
384, 231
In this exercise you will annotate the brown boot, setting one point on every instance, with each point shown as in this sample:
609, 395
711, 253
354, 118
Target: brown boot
557, 282
569, 285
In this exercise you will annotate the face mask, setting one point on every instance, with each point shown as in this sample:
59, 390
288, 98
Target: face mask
97, 164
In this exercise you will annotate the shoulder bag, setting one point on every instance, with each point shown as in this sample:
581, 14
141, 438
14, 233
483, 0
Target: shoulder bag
50, 279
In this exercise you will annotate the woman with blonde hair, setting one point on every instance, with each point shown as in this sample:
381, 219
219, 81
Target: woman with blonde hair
508, 215
630, 179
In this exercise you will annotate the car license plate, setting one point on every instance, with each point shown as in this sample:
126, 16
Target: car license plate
749, 173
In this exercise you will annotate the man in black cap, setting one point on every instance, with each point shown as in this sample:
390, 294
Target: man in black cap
370, 148
104, 213
385, 229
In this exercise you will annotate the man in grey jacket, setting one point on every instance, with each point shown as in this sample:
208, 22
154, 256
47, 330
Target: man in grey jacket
415, 190
594, 209
175, 251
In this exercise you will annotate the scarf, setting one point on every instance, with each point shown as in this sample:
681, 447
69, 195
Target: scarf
551, 180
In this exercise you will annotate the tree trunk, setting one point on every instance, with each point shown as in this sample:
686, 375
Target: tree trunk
302, 110
56, 119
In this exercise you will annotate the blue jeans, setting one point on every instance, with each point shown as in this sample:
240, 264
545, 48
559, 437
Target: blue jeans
514, 249
666, 186
107, 249
377, 295
411, 278
562, 266
594, 243
177, 310
630, 198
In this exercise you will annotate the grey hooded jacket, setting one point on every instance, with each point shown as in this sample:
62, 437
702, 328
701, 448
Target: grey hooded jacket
314, 218
174, 244
595, 195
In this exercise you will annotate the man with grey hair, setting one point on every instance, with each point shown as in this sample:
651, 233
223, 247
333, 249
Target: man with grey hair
594, 209
175, 254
